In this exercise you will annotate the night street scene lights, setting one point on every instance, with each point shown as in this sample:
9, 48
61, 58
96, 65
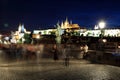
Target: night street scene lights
102, 41
102, 25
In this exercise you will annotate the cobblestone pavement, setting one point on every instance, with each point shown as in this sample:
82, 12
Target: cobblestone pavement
77, 70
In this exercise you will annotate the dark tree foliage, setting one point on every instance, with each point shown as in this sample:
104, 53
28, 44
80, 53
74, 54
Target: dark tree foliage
27, 38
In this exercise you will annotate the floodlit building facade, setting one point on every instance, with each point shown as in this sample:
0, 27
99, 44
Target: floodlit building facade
107, 33
65, 26
17, 35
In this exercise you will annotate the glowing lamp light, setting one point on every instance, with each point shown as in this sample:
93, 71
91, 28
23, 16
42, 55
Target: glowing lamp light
119, 47
38, 36
104, 40
102, 25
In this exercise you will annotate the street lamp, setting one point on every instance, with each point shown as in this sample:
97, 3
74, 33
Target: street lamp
102, 41
102, 25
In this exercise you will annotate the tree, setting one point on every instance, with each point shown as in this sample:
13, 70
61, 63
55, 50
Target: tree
27, 38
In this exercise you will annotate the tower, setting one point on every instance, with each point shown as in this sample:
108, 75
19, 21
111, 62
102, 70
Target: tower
22, 29
62, 25
19, 28
66, 22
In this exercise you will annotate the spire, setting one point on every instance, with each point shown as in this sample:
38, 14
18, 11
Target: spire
22, 28
62, 25
66, 20
19, 28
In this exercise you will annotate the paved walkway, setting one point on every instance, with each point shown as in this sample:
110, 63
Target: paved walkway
41, 62
51, 70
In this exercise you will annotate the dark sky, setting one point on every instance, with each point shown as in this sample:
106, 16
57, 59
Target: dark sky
36, 14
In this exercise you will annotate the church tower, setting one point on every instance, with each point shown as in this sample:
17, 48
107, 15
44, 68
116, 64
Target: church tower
21, 28
66, 24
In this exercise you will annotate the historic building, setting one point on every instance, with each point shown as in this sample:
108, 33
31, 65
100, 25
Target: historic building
69, 25
105, 32
65, 26
17, 35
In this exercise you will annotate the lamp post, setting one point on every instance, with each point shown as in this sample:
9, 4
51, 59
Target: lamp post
101, 43
102, 26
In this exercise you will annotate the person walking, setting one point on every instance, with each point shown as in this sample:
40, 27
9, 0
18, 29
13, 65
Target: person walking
66, 54
85, 48
55, 52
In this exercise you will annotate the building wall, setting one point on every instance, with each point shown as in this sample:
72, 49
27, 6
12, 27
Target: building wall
85, 32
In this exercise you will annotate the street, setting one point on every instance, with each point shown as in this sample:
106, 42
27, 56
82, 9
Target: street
56, 70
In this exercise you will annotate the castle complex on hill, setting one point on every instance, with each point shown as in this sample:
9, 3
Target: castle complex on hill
65, 26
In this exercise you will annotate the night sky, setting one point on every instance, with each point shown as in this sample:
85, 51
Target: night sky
40, 14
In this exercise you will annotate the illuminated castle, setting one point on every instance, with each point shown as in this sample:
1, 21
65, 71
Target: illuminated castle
67, 25
17, 35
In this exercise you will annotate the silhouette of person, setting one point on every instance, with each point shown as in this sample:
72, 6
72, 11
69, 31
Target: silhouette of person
55, 52
66, 54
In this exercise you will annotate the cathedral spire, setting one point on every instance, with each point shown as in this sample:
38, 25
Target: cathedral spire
66, 22
22, 28
66, 19
19, 28
62, 25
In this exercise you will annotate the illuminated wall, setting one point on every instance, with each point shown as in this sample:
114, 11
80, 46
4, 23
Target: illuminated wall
107, 32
